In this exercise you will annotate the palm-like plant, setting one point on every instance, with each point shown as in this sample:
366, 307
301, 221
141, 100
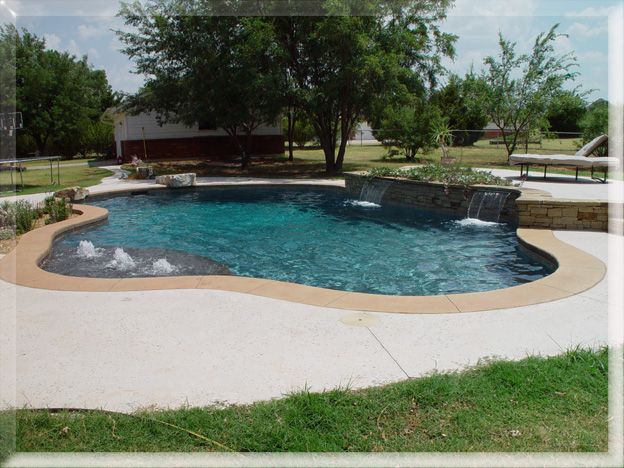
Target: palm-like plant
442, 136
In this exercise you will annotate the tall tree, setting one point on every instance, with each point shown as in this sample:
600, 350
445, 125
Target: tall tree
58, 94
465, 115
565, 112
410, 127
517, 89
344, 66
7, 86
595, 122
220, 70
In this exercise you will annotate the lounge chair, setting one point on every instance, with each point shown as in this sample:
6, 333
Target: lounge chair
582, 159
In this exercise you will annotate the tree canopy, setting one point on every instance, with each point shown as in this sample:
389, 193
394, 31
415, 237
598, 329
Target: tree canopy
465, 116
595, 122
59, 96
565, 112
516, 89
240, 71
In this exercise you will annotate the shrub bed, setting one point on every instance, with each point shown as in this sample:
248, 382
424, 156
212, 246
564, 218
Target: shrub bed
448, 175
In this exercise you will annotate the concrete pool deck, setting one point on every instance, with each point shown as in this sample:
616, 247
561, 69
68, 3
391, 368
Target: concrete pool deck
167, 348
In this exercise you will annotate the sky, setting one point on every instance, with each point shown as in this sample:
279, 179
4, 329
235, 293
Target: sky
85, 27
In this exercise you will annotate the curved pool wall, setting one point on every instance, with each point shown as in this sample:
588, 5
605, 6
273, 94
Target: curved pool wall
453, 200
311, 236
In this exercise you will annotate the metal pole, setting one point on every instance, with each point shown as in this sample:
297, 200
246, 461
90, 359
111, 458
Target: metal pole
144, 144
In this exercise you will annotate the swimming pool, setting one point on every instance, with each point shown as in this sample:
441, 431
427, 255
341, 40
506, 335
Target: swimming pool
306, 235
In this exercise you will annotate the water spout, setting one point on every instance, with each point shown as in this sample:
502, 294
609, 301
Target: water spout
162, 267
373, 190
121, 260
86, 249
487, 206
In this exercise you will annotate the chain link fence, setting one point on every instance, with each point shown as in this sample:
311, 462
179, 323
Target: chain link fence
491, 140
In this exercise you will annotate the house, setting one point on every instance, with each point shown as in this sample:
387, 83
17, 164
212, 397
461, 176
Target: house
142, 136
492, 131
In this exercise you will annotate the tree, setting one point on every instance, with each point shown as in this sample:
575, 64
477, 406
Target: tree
595, 122
58, 94
224, 70
462, 112
565, 112
517, 89
7, 85
302, 131
410, 127
344, 66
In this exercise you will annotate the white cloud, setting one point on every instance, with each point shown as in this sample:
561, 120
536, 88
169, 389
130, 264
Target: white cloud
493, 8
93, 53
73, 48
563, 44
593, 56
583, 30
87, 31
592, 11
52, 41
66, 8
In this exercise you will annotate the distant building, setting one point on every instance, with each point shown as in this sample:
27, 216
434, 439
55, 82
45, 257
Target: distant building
492, 131
363, 133
142, 135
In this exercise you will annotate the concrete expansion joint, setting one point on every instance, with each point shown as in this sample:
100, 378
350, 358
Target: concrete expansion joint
388, 352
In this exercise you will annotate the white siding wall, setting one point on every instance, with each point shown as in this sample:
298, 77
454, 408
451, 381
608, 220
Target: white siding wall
128, 127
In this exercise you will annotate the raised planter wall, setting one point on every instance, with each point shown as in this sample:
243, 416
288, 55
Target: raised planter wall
453, 200
578, 215
526, 208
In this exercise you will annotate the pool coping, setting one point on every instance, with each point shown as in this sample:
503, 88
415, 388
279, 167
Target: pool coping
577, 271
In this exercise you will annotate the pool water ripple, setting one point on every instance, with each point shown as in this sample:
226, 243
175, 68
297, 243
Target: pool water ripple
312, 236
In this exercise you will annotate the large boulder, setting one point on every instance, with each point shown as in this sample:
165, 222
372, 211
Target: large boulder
73, 194
144, 172
177, 180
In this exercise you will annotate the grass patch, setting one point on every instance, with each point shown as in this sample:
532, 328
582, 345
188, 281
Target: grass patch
37, 181
310, 163
537, 404
448, 175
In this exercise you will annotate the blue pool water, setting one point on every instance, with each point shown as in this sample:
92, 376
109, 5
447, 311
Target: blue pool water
313, 236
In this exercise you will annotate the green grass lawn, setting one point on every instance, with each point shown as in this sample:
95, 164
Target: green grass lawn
37, 181
310, 163
534, 405
62, 163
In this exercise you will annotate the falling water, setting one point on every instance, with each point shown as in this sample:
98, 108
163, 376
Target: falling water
86, 249
121, 260
373, 191
487, 206
162, 267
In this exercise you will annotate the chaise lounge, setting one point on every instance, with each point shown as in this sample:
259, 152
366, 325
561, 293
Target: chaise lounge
582, 159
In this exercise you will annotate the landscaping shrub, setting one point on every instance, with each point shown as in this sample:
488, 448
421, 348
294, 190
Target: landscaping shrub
447, 174
18, 217
57, 209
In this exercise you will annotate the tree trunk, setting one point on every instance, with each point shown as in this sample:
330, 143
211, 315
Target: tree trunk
291, 134
341, 155
330, 162
246, 155
40, 143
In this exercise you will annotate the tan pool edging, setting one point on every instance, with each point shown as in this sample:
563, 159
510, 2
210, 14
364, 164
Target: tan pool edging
577, 271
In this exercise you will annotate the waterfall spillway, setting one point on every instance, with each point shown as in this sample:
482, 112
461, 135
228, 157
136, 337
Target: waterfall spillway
487, 206
373, 190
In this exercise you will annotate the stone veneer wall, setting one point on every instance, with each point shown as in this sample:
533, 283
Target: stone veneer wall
453, 200
526, 208
563, 214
